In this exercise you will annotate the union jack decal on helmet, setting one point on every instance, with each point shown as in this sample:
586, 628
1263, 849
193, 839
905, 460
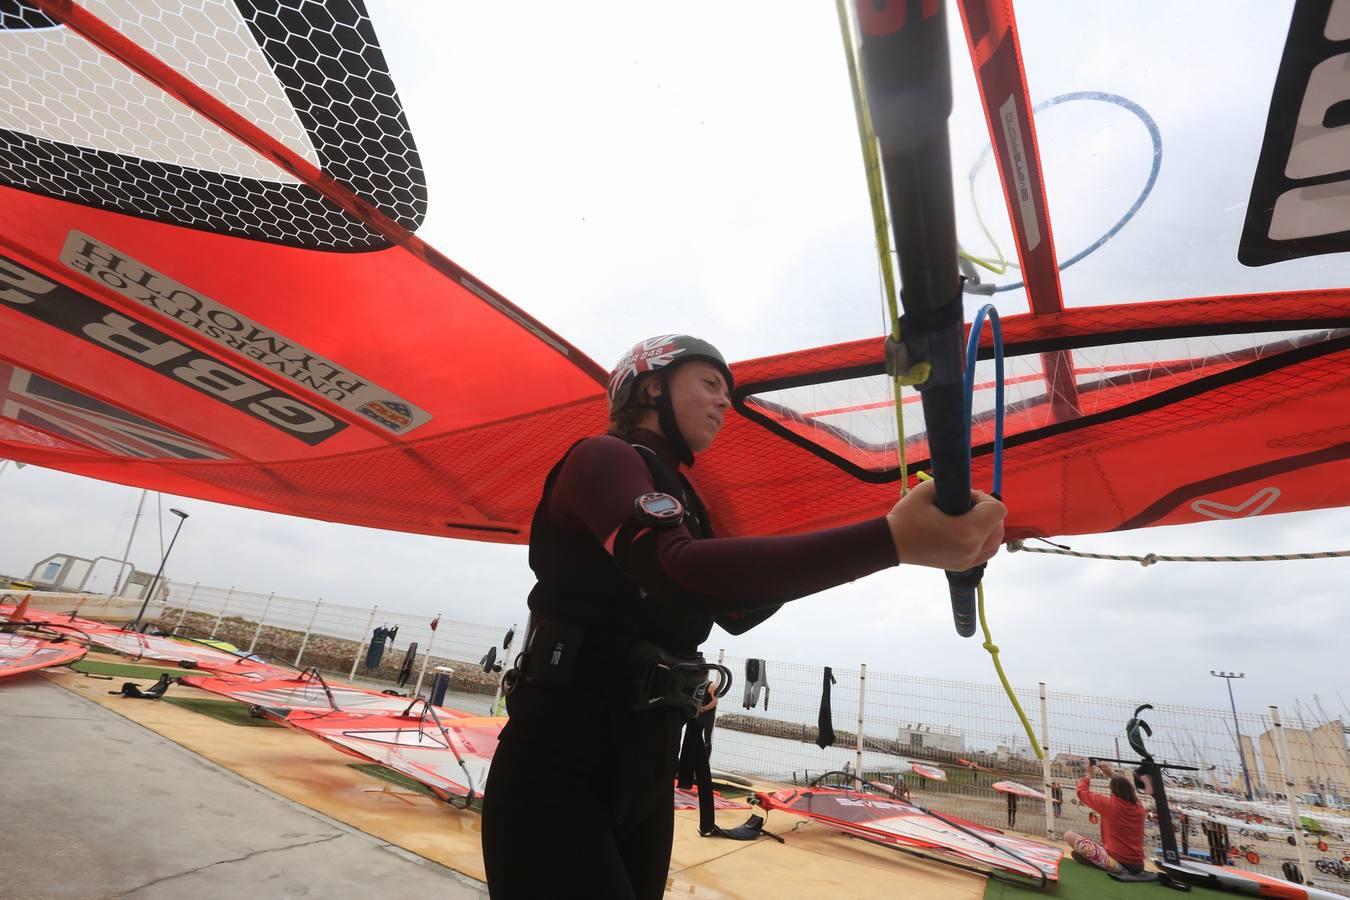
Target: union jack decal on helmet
654, 354
647, 356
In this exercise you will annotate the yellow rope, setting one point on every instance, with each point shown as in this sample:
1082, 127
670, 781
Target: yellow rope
998, 667
881, 231
872, 163
998, 267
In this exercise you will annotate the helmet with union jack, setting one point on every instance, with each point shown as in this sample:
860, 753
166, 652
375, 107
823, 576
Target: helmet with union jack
653, 355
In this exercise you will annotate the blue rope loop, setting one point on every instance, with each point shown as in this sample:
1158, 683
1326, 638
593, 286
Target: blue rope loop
990, 314
1155, 137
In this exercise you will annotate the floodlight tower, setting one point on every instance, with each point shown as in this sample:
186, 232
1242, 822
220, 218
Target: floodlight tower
1237, 729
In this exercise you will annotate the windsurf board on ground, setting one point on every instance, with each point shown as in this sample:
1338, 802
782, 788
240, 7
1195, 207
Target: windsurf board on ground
1241, 881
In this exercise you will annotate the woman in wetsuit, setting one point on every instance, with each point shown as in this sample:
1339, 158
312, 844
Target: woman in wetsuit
630, 582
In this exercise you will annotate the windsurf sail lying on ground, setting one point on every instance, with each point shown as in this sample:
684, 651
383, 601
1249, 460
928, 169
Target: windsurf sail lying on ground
26, 653
133, 644
447, 750
689, 800
914, 829
305, 691
10, 616
139, 646
21, 611
448, 753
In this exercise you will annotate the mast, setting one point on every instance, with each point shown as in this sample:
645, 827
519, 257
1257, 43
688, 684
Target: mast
117, 579
908, 81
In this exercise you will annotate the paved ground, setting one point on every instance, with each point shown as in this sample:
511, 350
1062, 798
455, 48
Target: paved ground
97, 806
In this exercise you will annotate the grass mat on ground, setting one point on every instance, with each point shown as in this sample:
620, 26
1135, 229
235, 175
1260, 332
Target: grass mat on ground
225, 710
1080, 882
124, 670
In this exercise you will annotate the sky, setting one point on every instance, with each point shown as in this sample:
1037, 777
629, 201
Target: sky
620, 171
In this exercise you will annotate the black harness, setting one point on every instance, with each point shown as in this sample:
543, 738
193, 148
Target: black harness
594, 626
595, 632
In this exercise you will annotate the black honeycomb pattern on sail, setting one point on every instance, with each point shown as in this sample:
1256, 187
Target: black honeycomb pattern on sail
327, 57
329, 60
15, 15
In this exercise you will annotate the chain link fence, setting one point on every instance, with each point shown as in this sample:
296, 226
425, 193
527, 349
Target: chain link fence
946, 742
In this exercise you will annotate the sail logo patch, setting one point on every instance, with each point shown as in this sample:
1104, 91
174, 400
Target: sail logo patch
389, 413
1252, 506
1021, 186
235, 332
81, 316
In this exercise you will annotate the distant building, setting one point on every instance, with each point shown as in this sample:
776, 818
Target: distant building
1067, 765
918, 736
75, 574
1319, 761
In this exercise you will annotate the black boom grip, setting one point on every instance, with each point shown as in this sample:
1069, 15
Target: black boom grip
963, 586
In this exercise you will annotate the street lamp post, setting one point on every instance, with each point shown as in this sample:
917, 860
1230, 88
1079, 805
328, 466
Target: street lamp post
1237, 729
154, 582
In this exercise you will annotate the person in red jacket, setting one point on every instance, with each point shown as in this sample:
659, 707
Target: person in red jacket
1122, 844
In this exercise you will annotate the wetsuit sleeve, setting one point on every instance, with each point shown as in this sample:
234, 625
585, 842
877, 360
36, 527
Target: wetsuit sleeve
741, 622
597, 485
1089, 799
717, 576
725, 575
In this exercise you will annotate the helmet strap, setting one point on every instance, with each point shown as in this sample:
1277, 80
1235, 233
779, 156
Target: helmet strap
665, 415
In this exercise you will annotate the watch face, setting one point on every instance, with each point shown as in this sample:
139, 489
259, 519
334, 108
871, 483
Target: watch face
660, 506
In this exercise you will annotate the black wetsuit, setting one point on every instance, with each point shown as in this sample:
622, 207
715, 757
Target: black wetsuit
579, 800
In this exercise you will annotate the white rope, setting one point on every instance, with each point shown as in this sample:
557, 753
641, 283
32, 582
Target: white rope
1149, 559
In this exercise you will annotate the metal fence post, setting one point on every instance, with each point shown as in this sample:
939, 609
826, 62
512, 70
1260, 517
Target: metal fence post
1045, 766
187, 604
263, 618
862, 691
426, 659
361, 641
308, 628
1282, 753
225, 603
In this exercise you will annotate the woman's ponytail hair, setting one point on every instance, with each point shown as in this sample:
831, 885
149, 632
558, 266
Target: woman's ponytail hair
627, 419
1122, 788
